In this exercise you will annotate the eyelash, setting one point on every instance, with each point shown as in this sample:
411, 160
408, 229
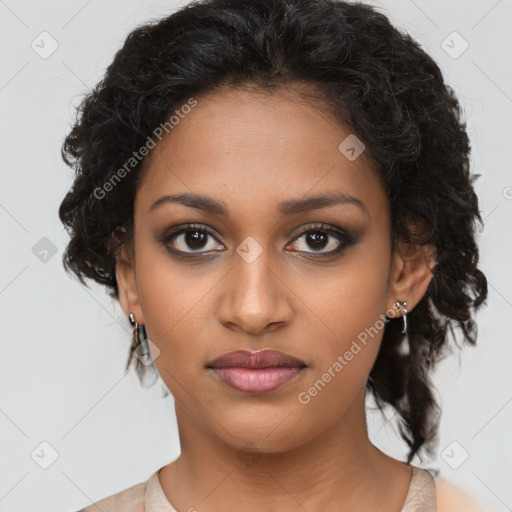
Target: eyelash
346, 239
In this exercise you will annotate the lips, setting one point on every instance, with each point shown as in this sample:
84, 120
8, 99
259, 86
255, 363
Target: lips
256, 372
265, 358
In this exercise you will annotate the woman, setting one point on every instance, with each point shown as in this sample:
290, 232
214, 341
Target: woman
278, 194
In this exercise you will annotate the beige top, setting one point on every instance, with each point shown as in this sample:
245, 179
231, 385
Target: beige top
149, 496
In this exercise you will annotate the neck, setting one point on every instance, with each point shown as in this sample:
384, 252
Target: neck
337, 465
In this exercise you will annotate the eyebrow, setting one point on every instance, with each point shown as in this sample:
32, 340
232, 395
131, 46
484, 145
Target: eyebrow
290, 207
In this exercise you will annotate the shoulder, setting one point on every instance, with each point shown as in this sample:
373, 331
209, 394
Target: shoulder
128, 500
451, 498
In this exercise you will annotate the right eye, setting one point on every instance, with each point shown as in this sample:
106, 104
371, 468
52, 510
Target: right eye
194, 237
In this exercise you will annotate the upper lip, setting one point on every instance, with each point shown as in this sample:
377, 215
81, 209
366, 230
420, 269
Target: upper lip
265, 358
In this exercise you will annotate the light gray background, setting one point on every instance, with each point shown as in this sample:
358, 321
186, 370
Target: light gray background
63, 347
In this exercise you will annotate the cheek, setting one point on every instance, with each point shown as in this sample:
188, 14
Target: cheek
174, 299
350, 300
341, 372
346, 321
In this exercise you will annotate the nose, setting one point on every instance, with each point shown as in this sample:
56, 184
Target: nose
255, 299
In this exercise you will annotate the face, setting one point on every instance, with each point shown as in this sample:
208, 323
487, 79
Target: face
262, 267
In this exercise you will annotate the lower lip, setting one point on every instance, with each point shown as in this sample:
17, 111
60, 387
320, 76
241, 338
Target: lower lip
256, 380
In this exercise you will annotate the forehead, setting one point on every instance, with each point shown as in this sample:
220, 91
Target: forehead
252, 149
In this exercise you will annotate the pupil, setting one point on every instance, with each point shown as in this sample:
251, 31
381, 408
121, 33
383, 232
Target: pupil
319, 240
195, 239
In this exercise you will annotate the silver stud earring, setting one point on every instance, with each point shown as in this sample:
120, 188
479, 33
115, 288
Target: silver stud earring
403, 348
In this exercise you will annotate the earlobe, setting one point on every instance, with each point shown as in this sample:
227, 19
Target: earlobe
411, 273
126, 283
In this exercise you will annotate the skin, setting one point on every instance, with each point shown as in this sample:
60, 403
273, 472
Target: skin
251, 151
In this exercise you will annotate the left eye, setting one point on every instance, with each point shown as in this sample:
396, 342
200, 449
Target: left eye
320, 240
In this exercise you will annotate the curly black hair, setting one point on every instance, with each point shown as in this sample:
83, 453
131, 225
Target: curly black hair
374, 78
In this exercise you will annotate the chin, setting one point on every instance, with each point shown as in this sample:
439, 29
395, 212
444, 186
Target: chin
264, 437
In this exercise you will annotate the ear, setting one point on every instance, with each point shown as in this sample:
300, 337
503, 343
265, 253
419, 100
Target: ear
126, 283
411, 273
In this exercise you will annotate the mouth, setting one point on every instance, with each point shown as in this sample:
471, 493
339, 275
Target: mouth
256, 372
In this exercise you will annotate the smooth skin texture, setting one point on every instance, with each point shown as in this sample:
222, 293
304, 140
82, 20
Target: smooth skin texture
251, 151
